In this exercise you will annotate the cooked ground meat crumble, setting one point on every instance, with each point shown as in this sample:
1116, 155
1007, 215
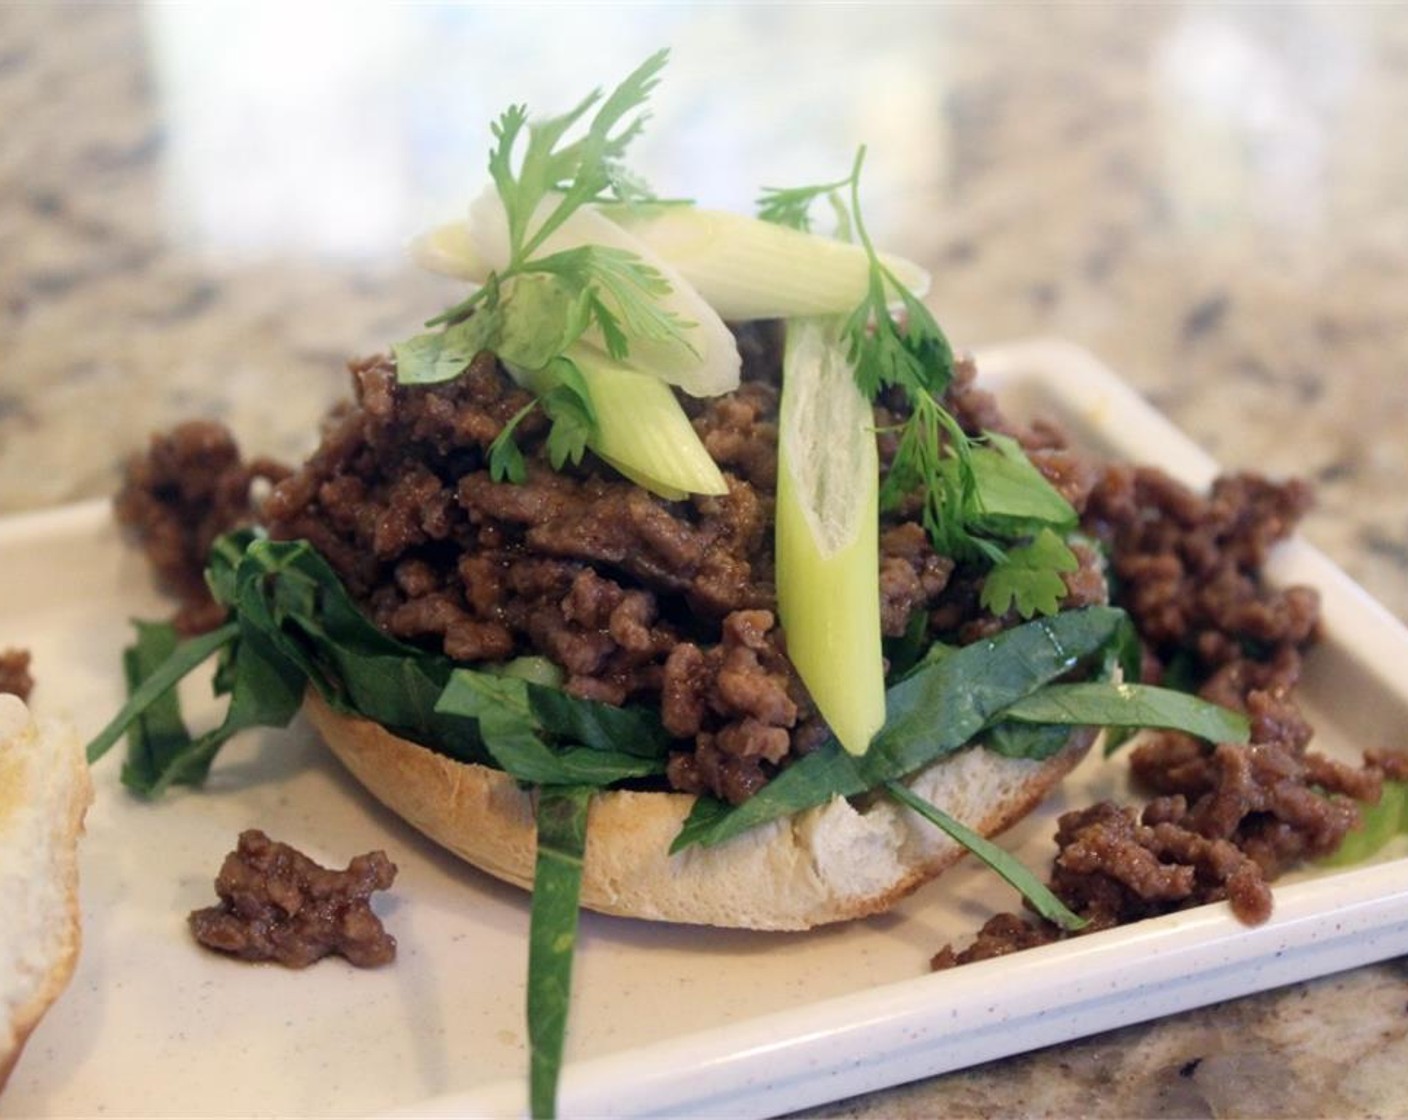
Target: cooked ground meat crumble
1224, 820
15, 676
190, 486
637, 598
276, 904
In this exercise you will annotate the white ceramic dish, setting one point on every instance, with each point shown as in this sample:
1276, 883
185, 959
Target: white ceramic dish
665, 1020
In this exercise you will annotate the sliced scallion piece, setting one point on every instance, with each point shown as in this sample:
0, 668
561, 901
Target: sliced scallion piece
827, 533
447, 250
642, 430
750, 269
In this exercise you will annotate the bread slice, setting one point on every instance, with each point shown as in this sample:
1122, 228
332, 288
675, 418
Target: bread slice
44, 794
828, 864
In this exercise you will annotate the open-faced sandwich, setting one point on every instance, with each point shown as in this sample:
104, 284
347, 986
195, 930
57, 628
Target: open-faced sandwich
680, 571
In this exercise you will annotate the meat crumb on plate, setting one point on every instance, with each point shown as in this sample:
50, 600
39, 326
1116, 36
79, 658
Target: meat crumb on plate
276, 904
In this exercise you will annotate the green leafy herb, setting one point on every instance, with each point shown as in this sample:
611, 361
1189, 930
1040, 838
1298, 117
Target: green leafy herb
552, 936
150, 684
158, 734
1028, 577
1004, 863
586, 171
975, 501
1131, 706
791, 206
618, 293
563, 395
519, 742
1013, 497
534, 308
296, 626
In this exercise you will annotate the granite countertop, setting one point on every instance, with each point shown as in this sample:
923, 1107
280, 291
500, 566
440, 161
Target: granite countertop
202, 211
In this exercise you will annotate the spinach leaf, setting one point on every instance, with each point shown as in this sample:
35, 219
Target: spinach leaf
552, 936
157, 682
515, 737
602, 727
1098, 704
265, 690
1042, 900
287, 592
1025, 740
158, 733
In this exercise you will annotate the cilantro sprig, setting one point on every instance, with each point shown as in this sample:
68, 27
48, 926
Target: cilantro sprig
934, 457
531, 311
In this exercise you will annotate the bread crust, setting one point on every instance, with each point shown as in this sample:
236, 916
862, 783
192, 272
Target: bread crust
45, 797
829, 864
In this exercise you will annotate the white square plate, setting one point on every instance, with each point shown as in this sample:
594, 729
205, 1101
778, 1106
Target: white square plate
665, 1020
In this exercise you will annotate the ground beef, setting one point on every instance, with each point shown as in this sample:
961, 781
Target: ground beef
635, 597
741, 704
14, 672
189, 487
276, 904
912, 576
1224, 820
1188, 565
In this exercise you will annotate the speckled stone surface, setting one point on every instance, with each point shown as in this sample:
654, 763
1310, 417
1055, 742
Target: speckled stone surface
202, 211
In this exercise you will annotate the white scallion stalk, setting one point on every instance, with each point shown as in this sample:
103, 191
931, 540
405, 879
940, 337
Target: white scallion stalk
643, 432
708, 362
828, 534
448, 250
751, 269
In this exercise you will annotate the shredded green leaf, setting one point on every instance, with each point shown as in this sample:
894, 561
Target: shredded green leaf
150, 682
1008, 866
552, 936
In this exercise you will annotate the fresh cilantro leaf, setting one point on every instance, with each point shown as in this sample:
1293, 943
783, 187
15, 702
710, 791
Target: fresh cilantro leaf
568, 404
621, 294
438, 356
1029, 577
565, 399
540, 316
1016, 498
580, 173
791, 206
505, 459
533, 309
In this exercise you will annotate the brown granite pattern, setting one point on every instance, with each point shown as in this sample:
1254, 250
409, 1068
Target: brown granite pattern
1212, 198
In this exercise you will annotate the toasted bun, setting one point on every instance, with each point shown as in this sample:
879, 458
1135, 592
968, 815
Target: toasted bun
827, 864
44, 793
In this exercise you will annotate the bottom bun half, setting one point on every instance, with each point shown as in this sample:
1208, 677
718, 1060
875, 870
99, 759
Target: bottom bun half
828, 864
